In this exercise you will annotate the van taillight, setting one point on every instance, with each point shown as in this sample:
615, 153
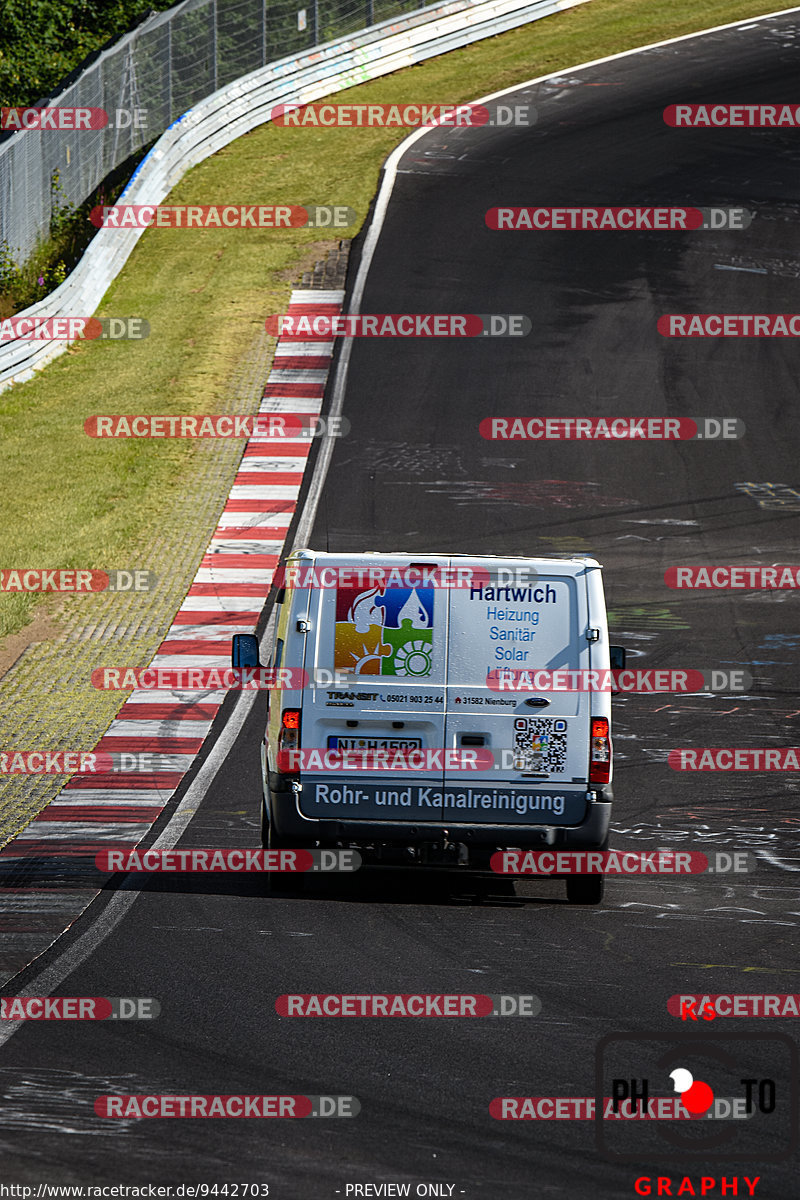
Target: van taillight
289, 740
600, 756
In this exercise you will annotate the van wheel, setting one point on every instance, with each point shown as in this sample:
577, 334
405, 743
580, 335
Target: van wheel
585, 889
278, 881
285, 881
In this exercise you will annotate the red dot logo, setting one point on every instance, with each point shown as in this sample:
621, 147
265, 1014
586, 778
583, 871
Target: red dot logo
696, 1096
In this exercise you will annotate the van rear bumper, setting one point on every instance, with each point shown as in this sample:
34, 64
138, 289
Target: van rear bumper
589, 834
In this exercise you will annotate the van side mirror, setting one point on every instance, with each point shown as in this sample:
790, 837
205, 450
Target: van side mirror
244, 650
617, 656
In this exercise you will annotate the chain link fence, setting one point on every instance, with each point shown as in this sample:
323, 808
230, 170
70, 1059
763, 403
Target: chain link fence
145, 81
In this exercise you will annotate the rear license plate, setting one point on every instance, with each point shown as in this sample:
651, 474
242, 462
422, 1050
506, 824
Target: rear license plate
379, 743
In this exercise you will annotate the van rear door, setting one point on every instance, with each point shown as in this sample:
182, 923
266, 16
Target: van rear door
531, 616
389, 643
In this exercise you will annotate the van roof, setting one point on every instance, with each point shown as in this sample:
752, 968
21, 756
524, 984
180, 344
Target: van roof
577, 562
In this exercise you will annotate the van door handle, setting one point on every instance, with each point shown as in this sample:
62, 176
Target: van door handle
536, 702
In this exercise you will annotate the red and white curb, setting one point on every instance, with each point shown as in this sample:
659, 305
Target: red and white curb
96, 812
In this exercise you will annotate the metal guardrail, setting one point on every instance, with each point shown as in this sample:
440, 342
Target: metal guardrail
242, 106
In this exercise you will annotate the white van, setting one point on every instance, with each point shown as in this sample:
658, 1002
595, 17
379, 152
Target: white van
432, 724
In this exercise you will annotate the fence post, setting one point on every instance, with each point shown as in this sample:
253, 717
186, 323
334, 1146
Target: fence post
169, 73
214, 42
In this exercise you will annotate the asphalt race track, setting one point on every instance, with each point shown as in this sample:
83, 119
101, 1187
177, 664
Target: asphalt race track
415, 475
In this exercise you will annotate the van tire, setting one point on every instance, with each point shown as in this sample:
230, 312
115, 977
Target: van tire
278, 881
585, 889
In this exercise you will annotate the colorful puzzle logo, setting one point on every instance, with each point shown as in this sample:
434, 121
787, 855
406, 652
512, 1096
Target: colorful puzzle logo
384, 632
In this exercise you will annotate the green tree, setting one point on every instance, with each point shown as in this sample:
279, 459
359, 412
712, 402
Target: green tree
41, 41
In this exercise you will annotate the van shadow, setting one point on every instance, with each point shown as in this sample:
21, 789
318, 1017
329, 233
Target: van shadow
370, 885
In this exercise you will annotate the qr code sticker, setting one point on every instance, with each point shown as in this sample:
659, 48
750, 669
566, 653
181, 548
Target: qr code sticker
540, 744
